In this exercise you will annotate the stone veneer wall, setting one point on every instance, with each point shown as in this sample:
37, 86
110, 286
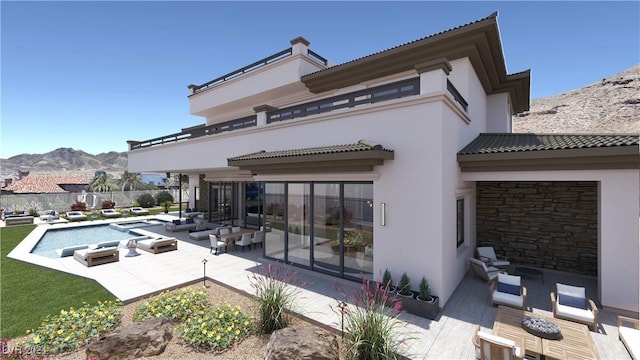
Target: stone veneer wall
551, 225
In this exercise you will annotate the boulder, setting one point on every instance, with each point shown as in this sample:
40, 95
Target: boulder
146, 338
302, 343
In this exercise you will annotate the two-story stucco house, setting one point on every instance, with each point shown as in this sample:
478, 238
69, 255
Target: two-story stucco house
405, 160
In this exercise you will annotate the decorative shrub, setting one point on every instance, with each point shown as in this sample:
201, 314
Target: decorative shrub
404, 286
425, 289
108, 204
276, 290
73, 328
146, 200
163, 196
216, 328
33, 212
372, 325
176, 306
387, 280
79, 206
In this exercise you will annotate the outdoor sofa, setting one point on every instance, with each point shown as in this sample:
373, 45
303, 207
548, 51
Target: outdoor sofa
178, 225
158, 245
50, 215
18, 220
92, 257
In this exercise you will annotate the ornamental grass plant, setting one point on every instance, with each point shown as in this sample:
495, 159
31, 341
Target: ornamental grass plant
276, 288
372, 329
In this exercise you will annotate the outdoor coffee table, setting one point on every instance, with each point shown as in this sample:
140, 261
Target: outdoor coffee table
528, 271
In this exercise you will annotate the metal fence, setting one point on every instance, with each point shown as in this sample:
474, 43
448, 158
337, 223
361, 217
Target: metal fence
61, 202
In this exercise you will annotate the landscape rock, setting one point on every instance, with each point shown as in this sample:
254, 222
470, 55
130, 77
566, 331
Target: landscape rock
146, 338
301, 343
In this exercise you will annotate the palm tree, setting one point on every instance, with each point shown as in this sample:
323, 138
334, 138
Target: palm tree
130, 181
102, 182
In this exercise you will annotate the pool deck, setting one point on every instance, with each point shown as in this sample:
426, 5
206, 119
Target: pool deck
446, 337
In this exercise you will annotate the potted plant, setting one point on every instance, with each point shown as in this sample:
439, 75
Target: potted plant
404, 286
387, 281
166, 204
424, 292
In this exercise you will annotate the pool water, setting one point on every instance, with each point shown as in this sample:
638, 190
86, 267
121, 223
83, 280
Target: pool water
54, 240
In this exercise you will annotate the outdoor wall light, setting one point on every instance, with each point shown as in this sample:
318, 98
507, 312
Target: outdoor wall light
383, 214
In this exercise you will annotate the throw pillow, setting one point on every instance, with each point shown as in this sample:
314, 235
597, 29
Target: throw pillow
190, 221
177, 222
576, 302
509, 289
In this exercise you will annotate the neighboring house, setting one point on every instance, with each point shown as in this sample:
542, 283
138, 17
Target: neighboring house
45, 184
404, 159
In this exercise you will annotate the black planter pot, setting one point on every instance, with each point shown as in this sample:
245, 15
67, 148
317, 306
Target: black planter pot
415, 306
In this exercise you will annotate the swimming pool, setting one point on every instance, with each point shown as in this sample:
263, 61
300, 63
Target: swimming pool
54, 240
124, 226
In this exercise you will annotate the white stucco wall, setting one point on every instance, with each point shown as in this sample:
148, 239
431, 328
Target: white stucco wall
618, 225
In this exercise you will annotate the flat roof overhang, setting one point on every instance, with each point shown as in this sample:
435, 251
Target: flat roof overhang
620, 157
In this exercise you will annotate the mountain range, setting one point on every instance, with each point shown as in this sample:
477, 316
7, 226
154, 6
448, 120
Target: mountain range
611, 105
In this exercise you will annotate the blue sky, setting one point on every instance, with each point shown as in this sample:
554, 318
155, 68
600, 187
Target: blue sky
92, 75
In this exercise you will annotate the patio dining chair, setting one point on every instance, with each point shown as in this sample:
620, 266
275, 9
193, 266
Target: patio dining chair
217, 244
245, 240
490, 347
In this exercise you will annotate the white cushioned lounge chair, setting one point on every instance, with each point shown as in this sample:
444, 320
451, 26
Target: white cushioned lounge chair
76, 216
158, 245
487, 273
110, 213
572, 304
139, 211
92, 257
508, 290
488, 255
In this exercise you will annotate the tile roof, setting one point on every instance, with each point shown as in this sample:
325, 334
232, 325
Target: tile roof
44, 184
492, 16
362, 145
507, 143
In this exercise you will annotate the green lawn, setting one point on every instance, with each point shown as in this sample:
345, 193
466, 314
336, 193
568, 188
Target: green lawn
29, 293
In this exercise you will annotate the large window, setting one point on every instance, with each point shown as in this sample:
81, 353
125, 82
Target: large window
275, 205
459, 222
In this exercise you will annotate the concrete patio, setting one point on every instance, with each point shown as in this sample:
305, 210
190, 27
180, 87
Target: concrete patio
446, 337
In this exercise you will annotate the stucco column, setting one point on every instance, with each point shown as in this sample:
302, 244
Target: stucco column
299, 46
261, 114
433, 75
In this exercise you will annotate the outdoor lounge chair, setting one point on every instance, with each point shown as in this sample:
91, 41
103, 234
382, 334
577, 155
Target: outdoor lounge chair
630, 336
68, 251
50, 215
508, 290
217, 244
138, 211
572, 304
92, 257
159, 245
110, 213
76, 216
489, 346
488, 255
484, 272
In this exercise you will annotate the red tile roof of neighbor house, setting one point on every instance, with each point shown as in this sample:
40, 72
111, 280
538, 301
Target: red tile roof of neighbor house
44, 184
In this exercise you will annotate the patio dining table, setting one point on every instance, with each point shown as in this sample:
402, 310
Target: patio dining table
576, 341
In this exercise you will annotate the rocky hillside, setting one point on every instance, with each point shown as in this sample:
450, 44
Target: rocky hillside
611, 105
64, 161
